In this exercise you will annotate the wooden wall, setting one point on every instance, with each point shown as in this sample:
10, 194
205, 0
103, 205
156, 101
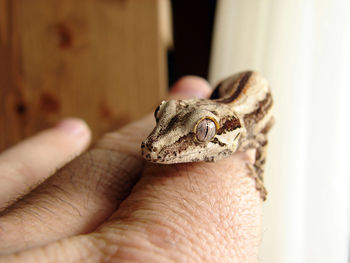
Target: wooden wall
101, 60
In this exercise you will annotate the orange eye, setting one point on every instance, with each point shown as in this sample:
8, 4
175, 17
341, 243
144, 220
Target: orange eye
205, 130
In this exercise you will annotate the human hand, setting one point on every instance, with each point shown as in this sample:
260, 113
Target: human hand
109, 205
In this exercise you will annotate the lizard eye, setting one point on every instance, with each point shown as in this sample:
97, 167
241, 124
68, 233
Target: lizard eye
156, 113
157, 110
205, 130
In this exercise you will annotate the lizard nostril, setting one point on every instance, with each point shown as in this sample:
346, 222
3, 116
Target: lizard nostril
146, 148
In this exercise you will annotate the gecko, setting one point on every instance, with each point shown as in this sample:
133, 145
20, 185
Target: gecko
236, 117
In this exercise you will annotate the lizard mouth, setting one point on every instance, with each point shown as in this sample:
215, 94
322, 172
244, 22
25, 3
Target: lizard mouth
154, 157
164, 157
149, 154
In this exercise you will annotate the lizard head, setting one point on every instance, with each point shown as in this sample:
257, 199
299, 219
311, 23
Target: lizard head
192, 130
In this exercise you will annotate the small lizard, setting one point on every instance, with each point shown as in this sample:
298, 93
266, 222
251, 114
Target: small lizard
237, 117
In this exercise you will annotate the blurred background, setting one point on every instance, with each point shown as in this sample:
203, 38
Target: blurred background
111, 61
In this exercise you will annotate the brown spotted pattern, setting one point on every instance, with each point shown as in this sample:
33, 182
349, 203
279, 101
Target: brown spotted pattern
240, 106
229, 124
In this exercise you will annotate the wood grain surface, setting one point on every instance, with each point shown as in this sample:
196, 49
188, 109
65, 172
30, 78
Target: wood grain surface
103, 61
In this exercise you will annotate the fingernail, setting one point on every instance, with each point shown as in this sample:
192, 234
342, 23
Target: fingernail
73, 126
191, 87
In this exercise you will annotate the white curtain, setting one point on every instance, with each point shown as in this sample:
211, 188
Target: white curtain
303, 48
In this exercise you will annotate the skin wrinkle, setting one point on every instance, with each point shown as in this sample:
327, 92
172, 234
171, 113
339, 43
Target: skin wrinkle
149, 233
109, 168
104, 245
116, 239
135, 237
27, 210
164, 207
91, 250
76, 209
186, 204
125, 178
32, 213
190, 238
86, 250
193, 183
41, 208
70, 170
208, 212
95, 168
189, 247
55, 188
107, 185
139, 254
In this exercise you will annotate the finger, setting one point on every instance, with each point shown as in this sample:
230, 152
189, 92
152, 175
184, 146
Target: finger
84, 193
32, 160
183, 213
205, 212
